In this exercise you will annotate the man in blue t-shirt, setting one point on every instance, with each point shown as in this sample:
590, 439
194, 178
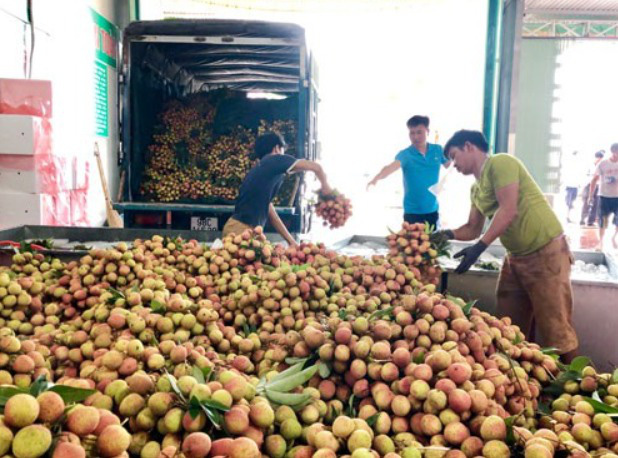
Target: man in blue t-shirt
420, 163
260, 186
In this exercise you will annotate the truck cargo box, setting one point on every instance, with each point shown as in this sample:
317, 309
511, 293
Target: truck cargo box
257, 75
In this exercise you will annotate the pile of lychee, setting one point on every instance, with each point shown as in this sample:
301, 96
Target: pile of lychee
167, 347
334, 209
187, 160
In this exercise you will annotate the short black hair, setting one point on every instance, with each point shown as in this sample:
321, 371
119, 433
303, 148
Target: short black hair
265, 143
418, 120
599, 154
614, 147
461, 137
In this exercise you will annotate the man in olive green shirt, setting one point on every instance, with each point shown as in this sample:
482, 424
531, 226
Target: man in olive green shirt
534, 285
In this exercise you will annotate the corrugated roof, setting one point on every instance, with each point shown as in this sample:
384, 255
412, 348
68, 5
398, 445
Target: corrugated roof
595, 7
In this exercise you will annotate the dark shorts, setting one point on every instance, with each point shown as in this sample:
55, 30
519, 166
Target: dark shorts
571, 195
431, 218
607, 206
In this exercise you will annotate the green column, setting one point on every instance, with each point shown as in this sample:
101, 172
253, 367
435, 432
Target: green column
492, 60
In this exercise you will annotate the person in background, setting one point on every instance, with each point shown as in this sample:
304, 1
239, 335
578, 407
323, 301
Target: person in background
572, 178
420, 163
535, 284
607, 174
590, 203
260, 186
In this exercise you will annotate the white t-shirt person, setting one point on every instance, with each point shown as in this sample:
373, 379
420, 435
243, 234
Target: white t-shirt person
608, 178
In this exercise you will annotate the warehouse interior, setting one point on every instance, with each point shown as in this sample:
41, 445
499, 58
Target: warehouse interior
308, 228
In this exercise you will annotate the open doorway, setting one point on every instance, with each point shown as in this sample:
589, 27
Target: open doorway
585, 104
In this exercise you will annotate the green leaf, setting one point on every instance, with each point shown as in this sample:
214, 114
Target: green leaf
420, 358
71, 395
297, 268
615, 376
7, 392
288, 399
115, 292
343, 314
381, 313
371, 421
468, 307
214, 416
194, 411
324, 369
215, 405
39, 385
601, 407
549, 350
208, 374
544, 408
198, 375
457, 300
351, 410
556, 388
578, 364
174, 385
510, 436
296, 368
157, 307
292, 381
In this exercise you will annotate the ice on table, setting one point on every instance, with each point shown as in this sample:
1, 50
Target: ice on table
366, 249
579, 271
583, 271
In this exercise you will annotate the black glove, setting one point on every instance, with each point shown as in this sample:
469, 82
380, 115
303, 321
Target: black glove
440, 237
470, 255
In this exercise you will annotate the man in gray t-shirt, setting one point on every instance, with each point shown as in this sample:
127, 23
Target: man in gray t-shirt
607, 176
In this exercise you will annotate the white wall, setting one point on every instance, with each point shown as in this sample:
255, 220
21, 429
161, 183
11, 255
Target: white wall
64, 54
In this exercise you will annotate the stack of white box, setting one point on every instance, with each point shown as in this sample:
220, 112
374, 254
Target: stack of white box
35, 183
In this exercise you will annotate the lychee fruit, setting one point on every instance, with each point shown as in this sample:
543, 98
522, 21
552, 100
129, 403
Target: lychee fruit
21, 410
113, 441
83, 420
196, 445
31, 442
51, 406
243, 447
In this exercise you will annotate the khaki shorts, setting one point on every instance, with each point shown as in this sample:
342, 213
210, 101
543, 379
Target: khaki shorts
233, 226
536, 290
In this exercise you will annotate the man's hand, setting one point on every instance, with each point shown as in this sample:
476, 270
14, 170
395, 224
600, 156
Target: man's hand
371, 183
440, 237
326, 190
470, 255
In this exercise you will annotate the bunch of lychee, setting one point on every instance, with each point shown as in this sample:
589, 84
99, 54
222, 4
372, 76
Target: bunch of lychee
335, 209
412, 245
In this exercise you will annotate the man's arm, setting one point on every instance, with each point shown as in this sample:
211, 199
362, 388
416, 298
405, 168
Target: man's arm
473, 228
386, 171
507, 197
279, 226
311, 166
593, 184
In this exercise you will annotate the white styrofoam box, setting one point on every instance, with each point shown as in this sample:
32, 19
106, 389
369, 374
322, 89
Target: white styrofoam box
17, 209
45, 174
24, 135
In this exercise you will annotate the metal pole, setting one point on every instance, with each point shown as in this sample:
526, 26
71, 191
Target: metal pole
512, 20
492, 59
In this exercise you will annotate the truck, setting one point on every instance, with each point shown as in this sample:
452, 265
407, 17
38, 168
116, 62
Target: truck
255, 72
